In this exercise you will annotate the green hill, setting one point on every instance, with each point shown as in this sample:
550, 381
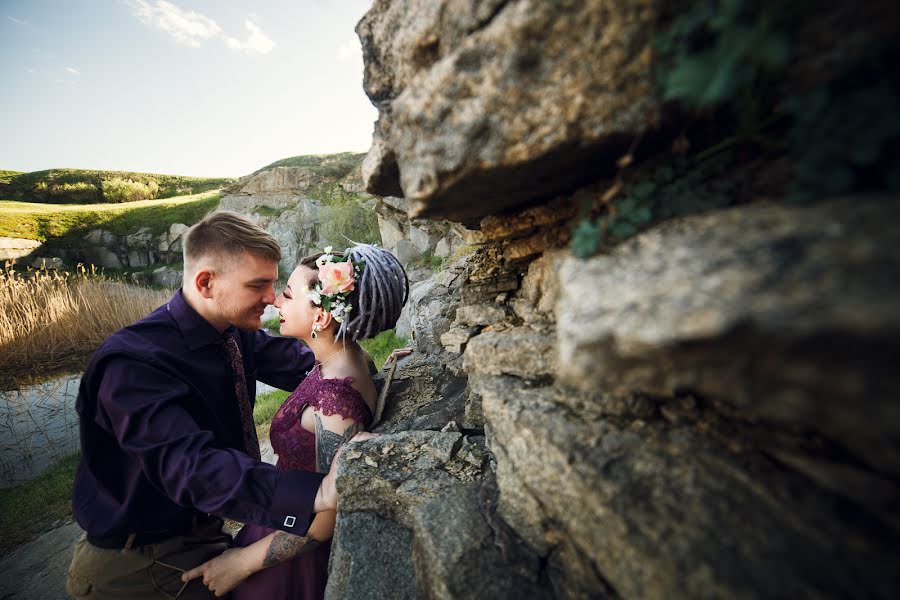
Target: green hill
327, 166
79, 186
64, 226
5, 176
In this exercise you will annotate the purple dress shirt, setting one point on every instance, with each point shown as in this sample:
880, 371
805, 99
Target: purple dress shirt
161, 436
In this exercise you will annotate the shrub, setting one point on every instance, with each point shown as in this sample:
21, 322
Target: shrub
80, 191
428, 260
347, 220
118, 190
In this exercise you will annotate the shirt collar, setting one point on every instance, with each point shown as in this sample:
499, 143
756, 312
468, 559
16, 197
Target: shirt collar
197, 331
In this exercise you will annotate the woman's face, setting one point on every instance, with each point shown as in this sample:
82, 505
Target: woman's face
298, 314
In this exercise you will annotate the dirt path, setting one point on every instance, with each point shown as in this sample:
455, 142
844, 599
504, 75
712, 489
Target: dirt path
37, 570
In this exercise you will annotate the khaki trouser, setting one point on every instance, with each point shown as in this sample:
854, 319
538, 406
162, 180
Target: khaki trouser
145, 572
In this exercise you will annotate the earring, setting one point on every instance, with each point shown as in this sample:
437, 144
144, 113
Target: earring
315, 328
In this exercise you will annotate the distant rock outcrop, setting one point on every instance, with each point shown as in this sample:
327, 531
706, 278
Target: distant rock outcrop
291, 198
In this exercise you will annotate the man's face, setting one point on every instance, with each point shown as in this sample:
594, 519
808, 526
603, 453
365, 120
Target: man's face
242, 292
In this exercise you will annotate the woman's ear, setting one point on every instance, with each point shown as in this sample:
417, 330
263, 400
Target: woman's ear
323, 320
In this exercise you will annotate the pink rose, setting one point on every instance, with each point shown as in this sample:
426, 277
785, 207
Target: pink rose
336, 277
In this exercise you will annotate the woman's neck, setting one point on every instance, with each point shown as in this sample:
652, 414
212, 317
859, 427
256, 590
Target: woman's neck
326, 348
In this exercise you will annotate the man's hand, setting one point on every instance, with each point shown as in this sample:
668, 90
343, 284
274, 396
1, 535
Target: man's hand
222, 573
326, 497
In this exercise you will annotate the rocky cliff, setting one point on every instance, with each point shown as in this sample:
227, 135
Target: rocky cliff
297, 199
649, 370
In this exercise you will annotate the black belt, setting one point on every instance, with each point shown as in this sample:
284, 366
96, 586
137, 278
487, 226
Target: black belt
143, 538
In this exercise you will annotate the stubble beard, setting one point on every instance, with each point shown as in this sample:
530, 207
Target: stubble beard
243, 318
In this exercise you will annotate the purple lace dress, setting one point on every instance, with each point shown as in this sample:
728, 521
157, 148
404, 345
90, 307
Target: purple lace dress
304, 577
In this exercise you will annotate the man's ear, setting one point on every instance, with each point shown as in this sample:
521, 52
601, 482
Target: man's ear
203, 282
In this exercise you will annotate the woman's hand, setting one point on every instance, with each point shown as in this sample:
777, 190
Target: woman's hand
224, 572
397, 354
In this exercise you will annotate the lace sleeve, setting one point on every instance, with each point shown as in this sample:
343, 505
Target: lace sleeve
339, 397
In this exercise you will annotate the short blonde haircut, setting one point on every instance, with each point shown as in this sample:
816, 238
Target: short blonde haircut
223, 236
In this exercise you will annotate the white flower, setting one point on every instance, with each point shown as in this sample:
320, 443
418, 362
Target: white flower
314, 296
320, 262
328, 249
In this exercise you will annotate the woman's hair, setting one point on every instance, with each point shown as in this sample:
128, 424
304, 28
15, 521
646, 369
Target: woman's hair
378, 296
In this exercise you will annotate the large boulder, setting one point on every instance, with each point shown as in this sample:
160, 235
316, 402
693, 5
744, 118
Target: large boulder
426, 499
12, 248
782, 314
488, 105
713, 412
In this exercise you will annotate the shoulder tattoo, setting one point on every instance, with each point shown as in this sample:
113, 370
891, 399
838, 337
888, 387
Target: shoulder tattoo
328, 442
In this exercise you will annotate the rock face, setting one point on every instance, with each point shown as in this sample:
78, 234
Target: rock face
419, 244
488, 105
291, 201
12, 248
426, 500
706, 410
139, 249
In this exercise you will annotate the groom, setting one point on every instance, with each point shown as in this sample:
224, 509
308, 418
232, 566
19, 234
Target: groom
168, 443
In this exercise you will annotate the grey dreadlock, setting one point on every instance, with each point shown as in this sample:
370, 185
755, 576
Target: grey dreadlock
380, 292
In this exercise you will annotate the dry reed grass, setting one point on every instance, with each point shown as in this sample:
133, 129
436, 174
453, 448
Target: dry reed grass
52, 321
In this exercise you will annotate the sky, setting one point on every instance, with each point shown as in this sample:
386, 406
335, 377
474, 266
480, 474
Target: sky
188, 87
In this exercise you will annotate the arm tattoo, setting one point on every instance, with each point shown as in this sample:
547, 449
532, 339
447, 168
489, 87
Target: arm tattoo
285, 546
328, 442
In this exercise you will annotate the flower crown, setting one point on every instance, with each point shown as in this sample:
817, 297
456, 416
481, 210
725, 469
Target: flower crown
336, 281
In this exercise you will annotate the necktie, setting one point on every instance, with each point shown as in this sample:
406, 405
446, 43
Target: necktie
240, 391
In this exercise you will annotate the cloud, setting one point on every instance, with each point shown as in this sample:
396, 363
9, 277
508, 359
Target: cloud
257, 41
192, 28
73, 71
18, 21
350, 49
185, 27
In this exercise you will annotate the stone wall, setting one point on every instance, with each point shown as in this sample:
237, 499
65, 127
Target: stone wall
707, 409
102, 248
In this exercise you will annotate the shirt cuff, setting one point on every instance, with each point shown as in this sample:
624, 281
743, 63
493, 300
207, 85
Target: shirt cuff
292, 504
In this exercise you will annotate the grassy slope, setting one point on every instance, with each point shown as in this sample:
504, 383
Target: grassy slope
72, 221
332, 166
6, 176
47, 186
28, 509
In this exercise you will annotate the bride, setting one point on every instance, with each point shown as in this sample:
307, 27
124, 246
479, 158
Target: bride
331, 300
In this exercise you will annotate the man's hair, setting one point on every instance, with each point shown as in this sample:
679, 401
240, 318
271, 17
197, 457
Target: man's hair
223, 237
